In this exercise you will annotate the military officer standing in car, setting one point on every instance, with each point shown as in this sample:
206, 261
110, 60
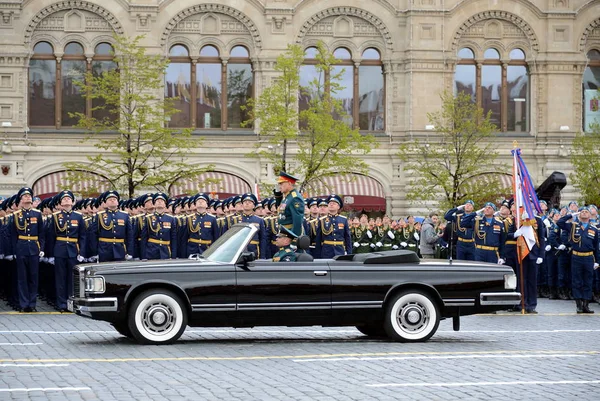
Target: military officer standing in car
290, 204
66, 234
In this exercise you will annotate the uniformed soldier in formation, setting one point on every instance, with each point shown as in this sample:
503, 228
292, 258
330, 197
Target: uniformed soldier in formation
284, 243
333, 232
465, 246
271, 227
583, 238
202, 228
362, 236
552, 254
290, 204
66, 236
490, 235
258, 244
112, 235
159, 233
27, 238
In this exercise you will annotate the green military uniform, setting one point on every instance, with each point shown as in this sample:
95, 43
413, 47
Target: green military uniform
291, 208
285, 254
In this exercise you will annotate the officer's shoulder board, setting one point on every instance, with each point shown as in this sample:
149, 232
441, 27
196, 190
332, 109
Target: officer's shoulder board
342, 216
323, 217
100, 212
211, 215
36, 210
498, 219
79, 213
55, 213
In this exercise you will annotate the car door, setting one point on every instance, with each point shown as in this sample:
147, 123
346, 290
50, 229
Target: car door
283, 293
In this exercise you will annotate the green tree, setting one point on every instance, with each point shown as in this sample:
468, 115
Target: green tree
458, 161
128, 125
324, 141
585, 157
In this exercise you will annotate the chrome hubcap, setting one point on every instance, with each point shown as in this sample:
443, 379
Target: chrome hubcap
158, 318
412, 317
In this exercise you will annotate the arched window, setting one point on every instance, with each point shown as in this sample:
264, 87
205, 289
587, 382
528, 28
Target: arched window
201, 89
55, 86
42, 86
360, 90
591, 86
102, 62
497, 86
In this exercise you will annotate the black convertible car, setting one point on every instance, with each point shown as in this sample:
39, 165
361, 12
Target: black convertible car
391, 293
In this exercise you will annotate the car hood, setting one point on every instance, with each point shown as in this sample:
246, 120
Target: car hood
138, 265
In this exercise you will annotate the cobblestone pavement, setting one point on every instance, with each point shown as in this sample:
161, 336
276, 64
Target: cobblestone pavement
551, 356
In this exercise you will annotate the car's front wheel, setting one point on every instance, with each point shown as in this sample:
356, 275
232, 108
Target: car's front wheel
157, 317
411, 316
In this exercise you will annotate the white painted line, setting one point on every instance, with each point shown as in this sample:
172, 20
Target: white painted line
396, 358
524, 331
32, 365
515, 383
55, 332
43, 389
18, 344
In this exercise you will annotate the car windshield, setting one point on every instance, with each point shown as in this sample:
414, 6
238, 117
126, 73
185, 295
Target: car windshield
229, 245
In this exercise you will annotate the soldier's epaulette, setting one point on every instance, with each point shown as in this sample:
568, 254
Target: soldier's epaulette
323, 217
60, 211
168, 214
294, 194
498, 219
36, 210
342, 216
210, 214
76, 212
288, 250
100, 212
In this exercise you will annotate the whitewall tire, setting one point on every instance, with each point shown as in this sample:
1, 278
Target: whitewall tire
411, 316
157, 317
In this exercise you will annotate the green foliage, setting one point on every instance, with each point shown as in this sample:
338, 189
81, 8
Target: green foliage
458, 161
325, 142
128, 125
585, 157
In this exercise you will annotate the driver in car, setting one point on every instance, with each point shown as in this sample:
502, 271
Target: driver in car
284, 242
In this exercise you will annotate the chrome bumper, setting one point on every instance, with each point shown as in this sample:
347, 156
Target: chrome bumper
499, 298
87, 306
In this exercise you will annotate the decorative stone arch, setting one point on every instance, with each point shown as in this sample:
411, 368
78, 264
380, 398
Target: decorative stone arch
474, 46
70, 5
524, 46
212, 8
353, 11
588, 30
369, 44
79, 16
77, 38
347, 44
211, 41
44, 37
101, 39
238, 42
497, 14
313, 43
494, 44
192, 47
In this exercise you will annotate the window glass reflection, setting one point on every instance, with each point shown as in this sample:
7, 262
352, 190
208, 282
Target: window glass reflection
179, 51
465, 80
517, 54
73, 100
518, 98
239, 51
591, 102
342, 54
208, 95
209, 51
311, 52
99, 68
466, 53
178, 87
104, 49
43, 48
346, 91
239, 91
491, 54
370, 98
491, 85
371, 54
42, 86
74, 49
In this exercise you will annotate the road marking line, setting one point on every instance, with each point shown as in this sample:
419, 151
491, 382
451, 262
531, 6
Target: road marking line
514, 383
44, 389
35, 313
276, 357
396, 358
19, 344
525, 331
33, 365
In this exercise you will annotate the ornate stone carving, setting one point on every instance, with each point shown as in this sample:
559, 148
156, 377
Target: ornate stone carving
238, 16
315, 20
523, 26
70, 5
590, 31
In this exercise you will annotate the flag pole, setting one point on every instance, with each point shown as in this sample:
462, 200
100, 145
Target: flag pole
518, 221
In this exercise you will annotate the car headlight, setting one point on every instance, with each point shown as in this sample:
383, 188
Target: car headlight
94, 284
510, 281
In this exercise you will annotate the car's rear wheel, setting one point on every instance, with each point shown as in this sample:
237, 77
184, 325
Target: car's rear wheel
123, 329
372, 330
412, 316
157, 317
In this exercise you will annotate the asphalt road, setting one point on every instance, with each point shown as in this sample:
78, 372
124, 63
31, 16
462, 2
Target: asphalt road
551, 356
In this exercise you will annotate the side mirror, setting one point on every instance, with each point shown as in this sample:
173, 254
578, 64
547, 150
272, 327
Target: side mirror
247, 257
194, 256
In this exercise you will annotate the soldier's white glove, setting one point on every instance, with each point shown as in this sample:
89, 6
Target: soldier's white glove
547, 248
356, 244
416, 235
51, 260
575, 214
391, 235
562, 247
379, 244
94, 258
596, 266
547, 223
128, 257
10, 257
372, 246
501, 261
41, 254
461, 207
518, 233
1, 256
80, 258
480, 210
394, 246
403, 244
539, 261
369, 234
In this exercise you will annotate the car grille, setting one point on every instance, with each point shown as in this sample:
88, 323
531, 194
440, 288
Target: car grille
76, 283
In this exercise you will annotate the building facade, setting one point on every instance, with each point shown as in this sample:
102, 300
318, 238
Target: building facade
533, 63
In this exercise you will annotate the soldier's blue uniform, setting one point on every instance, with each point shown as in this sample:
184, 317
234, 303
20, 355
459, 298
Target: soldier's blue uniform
66, 236
490, 236
564, 266
552, 258
27, 239
333, 234
111, 234
465, 245
201, 231
258, 244
583, 238
291, 208
530, 266
159, 234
